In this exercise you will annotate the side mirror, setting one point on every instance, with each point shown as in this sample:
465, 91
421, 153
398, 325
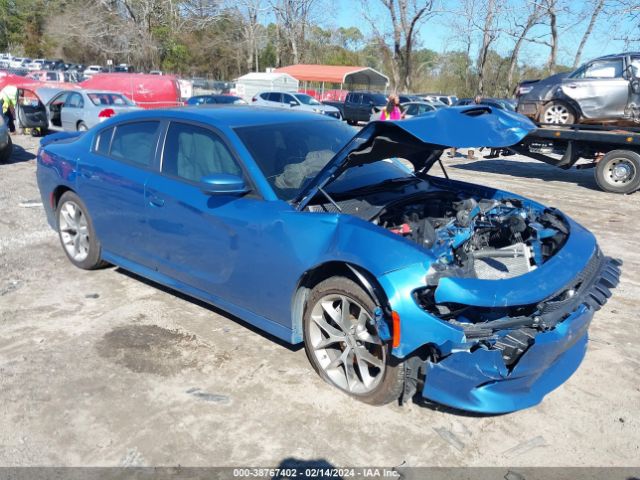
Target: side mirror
293, 103
223, 183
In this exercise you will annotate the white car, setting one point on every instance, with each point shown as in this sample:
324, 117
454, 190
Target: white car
92, 70
294, 100
35, 65
19, 62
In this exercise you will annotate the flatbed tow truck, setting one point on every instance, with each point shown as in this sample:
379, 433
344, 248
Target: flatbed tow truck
614, 152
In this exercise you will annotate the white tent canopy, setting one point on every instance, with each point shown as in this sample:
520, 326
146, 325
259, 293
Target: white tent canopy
253, 83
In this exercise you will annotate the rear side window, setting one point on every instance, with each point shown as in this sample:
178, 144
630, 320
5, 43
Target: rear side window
103, 141
275, 97
135, 142
193, 152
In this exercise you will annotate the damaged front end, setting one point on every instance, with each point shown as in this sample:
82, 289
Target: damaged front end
516, 283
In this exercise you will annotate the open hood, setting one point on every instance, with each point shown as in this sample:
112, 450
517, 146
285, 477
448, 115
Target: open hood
421, 140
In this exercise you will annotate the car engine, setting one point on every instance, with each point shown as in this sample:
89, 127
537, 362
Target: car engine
485, 238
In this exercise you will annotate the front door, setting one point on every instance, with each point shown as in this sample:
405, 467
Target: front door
208, 242
600, 89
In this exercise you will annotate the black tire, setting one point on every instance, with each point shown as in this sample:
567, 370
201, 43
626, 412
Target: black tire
5, 154
559, 113
619, 171
82, 127
389, 382
91, 245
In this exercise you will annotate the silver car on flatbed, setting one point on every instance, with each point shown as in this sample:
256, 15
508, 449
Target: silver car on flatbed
604, 90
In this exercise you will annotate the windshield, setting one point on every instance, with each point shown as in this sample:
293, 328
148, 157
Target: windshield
378, 99
111, 99
291, 154
307, 99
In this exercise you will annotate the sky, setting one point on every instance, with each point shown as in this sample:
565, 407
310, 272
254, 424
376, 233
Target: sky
436, 34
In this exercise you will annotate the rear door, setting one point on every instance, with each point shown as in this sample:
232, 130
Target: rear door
112, 185
71, 113
600, 88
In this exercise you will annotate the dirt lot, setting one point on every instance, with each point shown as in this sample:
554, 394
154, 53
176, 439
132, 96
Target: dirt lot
101, 368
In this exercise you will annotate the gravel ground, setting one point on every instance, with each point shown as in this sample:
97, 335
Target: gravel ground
105, 369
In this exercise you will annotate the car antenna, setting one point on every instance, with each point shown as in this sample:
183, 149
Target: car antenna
330, 199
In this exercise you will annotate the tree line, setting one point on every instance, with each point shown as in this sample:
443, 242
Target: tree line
489, 42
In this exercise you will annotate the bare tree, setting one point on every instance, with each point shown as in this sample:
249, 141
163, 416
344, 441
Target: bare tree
533, 12
293, 18
406, 16
489, 34
251, 12
598, 5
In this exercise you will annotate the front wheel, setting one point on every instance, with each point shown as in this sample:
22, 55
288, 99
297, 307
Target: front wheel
342, 343
619, 171
77, 234
82, 127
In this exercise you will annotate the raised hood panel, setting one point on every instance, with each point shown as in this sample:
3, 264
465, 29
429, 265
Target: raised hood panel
422, 139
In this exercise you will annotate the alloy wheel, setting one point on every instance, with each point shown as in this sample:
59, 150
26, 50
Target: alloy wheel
557, 114
346, 345
74, 231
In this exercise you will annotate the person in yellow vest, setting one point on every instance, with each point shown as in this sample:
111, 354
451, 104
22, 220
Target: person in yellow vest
9, 100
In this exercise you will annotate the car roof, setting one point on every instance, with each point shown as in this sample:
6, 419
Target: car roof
224, 115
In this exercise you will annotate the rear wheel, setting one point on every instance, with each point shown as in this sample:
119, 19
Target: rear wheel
558, 113
619, 171
343, 345
77, 234
82, 127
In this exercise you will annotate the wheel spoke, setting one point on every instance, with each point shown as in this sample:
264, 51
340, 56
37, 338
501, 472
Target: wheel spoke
363, 354
324, 325
67, 217
344, 314
339, 360
332, 312
350, 371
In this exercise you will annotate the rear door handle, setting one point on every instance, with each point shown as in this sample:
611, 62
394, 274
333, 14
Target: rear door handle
156, 201
572, 85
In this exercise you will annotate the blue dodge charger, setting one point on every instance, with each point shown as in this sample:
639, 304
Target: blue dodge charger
398, 283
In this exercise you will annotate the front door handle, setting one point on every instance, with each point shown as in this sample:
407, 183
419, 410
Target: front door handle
156, 201
572, 85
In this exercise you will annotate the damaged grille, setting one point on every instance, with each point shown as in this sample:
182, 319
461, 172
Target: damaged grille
512, 330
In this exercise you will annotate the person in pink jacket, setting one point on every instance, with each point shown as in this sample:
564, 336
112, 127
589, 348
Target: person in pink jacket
392, 111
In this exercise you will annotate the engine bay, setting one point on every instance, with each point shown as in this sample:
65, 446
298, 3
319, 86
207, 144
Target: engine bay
470, 237
482, 238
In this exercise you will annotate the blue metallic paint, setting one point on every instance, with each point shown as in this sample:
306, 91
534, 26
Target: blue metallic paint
213, 247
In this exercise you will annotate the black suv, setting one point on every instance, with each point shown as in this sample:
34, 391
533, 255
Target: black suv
358, 106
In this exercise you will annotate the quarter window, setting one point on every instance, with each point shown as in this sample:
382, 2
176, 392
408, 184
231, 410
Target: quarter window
103, 141
193, 152
135, 142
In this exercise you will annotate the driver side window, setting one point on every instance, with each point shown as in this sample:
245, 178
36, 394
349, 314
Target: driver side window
192, 152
